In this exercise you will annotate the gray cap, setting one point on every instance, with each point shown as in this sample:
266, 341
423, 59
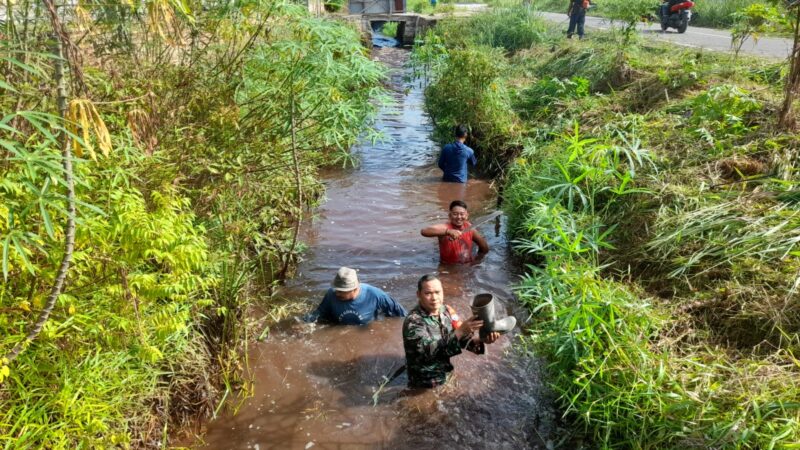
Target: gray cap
345, 280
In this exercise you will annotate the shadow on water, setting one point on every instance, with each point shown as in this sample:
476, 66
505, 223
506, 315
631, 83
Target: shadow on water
314, 388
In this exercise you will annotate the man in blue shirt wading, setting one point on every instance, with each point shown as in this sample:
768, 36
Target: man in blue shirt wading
454, 158
349, 302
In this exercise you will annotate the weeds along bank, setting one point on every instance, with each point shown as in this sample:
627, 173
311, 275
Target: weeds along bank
195, 133
656, 204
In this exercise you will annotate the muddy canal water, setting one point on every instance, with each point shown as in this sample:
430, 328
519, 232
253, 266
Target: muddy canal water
315, 388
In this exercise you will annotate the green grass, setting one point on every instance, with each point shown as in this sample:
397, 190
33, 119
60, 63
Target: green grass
182, 225
389, 29
425, 7
656, 205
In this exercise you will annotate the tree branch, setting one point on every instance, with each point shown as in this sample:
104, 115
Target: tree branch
66, 155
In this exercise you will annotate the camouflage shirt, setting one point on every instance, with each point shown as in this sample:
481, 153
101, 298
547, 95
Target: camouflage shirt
430, 341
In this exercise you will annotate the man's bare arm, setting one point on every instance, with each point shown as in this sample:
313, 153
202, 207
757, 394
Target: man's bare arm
434, 231
483, 246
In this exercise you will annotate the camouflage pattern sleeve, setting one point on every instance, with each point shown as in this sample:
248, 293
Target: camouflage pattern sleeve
423, 336
429, 343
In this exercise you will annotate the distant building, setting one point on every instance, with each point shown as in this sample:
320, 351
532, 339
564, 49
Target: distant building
376, 6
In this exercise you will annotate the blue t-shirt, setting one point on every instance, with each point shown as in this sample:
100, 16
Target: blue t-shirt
370, 303
453, 162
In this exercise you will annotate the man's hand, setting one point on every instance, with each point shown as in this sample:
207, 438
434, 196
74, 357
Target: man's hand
452, 234
468, 327
491, 337
298, 326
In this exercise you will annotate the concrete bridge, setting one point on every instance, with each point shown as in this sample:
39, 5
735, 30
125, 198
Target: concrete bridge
409, 25
372, 14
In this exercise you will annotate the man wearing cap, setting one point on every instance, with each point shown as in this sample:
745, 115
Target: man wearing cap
349, 302
457, 236
432, 334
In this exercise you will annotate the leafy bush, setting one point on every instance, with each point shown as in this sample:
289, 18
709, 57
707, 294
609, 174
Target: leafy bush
389, 29
538, 100
469, 90
425, 6
192, 174
509, 28
599, 67
723, 110
662, 283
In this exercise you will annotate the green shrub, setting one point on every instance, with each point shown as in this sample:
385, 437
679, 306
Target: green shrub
389, 29
539, 100
470, 90
509, 28
723, 110
184, 218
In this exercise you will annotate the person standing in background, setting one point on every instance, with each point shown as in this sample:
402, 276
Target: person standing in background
577, 17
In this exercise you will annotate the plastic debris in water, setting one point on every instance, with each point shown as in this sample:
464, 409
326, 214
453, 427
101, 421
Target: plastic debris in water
309, 445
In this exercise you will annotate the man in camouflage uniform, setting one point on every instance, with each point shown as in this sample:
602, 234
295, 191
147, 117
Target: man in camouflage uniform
432, 334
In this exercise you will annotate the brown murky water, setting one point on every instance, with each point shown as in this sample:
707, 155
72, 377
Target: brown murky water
314, 389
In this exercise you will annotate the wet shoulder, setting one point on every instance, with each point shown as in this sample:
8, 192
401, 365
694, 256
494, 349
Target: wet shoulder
414, 319
330, 295
370, 291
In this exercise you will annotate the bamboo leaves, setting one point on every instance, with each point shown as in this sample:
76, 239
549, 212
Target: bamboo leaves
83, 118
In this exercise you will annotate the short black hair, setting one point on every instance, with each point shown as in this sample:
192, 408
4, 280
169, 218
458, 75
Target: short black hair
455, 203
461, 130
426, 278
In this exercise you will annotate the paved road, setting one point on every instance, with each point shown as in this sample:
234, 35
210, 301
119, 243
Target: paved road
705, 38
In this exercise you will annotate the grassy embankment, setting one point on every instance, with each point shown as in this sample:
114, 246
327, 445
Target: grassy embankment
197, 137
707, 13
657, 206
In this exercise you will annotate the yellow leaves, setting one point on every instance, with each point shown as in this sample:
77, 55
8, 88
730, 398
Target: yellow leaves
84, 18
82, 114
4, 370
336, 96
161, 15
25, 306
150, 353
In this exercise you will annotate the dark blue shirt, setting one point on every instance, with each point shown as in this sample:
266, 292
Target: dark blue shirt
370, 303
453, 162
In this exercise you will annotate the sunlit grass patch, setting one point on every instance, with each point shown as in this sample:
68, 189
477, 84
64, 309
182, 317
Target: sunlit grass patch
657, 207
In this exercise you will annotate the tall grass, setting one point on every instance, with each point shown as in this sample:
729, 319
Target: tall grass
182, 222
663, 259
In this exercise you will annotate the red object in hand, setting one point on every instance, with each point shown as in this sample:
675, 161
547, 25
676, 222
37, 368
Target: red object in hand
456, 321
680, 6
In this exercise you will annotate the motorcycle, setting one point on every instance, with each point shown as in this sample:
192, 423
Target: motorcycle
675, 15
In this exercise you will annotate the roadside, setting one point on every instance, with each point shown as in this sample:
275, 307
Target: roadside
701, 38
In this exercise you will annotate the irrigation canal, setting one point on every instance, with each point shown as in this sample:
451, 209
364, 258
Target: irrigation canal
314, 389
